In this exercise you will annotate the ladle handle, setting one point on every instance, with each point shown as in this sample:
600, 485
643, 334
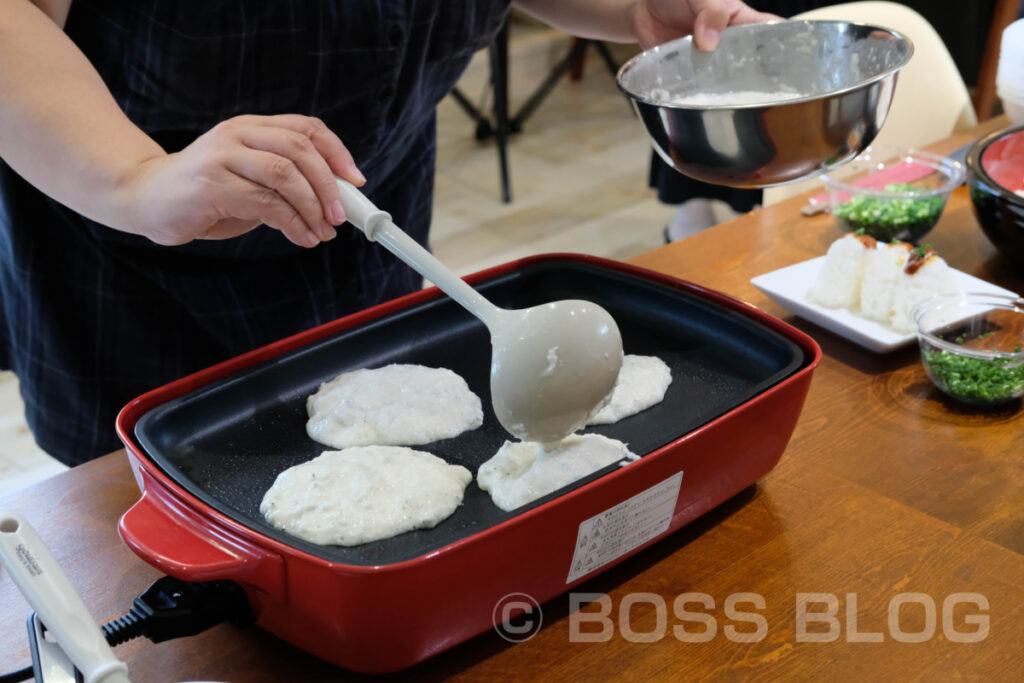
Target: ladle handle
378, 227
47, 589
360, 211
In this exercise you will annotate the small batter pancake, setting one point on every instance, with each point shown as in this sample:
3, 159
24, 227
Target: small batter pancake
521, 472
642, 383
360, 495
396, 405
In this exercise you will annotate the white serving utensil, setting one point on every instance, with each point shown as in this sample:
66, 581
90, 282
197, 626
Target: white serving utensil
80, 642
551, 365
46, 588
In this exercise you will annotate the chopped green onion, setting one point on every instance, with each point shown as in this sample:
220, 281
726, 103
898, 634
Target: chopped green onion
890, 218
975, 379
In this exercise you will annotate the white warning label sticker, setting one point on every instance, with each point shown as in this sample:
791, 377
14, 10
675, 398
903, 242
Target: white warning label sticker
614, 532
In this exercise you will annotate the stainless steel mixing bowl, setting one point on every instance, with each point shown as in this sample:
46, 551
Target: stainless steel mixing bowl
831, 84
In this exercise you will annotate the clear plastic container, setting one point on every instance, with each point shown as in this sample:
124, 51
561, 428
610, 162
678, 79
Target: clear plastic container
892, 193
972, 346
1010, 71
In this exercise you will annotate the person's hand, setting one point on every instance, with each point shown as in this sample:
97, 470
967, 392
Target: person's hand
658, 21
248, 170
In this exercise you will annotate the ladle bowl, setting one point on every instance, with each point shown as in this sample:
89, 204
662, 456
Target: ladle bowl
551, 366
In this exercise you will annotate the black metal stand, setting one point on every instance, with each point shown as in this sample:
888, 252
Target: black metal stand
504, 125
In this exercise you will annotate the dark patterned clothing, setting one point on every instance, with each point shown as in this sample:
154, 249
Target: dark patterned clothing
91, 317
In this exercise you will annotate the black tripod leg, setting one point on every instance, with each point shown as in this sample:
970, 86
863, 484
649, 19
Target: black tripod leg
466, 105
606, 55
499, 77
544, 88
609, 61
483, 126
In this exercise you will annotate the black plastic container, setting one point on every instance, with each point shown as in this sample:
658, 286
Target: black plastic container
1000, 212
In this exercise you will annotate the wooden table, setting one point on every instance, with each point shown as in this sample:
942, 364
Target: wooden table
887, 493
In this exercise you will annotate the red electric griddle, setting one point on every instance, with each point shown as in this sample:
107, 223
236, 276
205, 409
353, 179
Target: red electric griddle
205, 449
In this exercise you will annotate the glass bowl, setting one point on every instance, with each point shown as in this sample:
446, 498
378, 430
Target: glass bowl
972, 346
892, 193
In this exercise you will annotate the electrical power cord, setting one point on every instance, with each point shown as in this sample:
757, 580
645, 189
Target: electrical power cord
171, 608
16, 676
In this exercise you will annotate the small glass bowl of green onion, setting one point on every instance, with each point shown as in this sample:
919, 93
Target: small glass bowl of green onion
892, 193
972, 346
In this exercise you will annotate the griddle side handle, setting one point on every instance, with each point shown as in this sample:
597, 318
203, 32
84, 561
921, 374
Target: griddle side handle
177, 541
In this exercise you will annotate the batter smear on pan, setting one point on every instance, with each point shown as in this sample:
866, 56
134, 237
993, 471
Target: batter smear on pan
364, 494
642, 383
523, 472
396, 405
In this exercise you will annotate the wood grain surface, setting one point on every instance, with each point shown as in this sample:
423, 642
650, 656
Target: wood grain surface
888, 492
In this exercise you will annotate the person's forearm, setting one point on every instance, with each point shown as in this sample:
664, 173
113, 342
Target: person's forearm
599, 19
60, 127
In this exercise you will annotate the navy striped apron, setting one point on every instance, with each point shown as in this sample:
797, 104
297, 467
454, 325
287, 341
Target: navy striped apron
91, 317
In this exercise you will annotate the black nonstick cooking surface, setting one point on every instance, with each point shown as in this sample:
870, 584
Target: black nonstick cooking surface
226, 442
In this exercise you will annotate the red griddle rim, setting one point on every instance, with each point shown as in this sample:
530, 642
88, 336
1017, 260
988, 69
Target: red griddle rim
133, 411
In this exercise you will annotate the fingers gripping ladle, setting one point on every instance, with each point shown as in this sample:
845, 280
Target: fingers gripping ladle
551, 365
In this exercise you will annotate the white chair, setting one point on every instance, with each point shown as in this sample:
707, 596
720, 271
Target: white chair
931, 100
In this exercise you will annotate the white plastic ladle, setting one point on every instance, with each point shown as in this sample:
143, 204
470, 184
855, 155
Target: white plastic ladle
551, 365
46, 588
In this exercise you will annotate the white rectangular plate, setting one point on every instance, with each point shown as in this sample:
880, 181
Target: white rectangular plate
788, 288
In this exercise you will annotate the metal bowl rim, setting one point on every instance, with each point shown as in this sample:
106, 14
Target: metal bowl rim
633, 61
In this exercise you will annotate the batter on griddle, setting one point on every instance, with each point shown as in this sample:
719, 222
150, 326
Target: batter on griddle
642, 383
395, 405
364, 494
521, 472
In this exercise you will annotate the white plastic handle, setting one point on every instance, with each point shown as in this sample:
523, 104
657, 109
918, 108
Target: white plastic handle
359, 210
48, 590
